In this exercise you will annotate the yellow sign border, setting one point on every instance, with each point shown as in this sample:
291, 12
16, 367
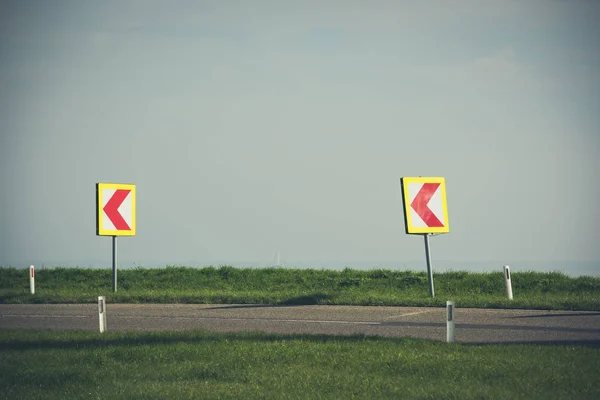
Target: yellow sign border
408, 223
100, 231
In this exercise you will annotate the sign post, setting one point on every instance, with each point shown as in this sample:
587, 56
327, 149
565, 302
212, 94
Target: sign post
425, 212
114, 263
115, 215
429, 269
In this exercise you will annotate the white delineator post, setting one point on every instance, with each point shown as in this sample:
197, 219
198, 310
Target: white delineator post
31, 279
450, 308
508, 282
102, 313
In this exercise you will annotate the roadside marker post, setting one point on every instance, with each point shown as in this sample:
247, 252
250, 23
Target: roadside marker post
32, 279
450, 335
508, 282
102, 313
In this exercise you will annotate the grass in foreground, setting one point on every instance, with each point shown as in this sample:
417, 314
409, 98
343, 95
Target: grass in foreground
227, 284
73, 365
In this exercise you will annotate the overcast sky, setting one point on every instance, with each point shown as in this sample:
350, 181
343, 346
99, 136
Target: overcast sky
252, 127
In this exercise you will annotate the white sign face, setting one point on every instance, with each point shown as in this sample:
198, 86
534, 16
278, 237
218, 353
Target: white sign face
117, 210
432, 209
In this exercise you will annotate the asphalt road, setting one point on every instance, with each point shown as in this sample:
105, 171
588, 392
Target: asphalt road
471, 325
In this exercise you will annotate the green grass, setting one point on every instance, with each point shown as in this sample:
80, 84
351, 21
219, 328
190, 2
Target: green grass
225, 284
195, 364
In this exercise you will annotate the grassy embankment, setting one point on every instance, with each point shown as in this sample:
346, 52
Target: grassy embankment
226, 284
72, 365
193, 364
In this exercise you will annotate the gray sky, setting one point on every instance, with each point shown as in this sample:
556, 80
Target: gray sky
253, 127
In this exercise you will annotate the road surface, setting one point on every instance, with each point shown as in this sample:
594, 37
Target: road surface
472, 325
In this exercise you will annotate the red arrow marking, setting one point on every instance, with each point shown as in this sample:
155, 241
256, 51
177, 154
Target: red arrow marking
112, 210
420, 202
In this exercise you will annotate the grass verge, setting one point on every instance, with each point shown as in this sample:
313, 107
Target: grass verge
225, 284
195, 364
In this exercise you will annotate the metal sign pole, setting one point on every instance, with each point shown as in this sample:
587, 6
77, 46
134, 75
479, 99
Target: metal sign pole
114, 263
429, 269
